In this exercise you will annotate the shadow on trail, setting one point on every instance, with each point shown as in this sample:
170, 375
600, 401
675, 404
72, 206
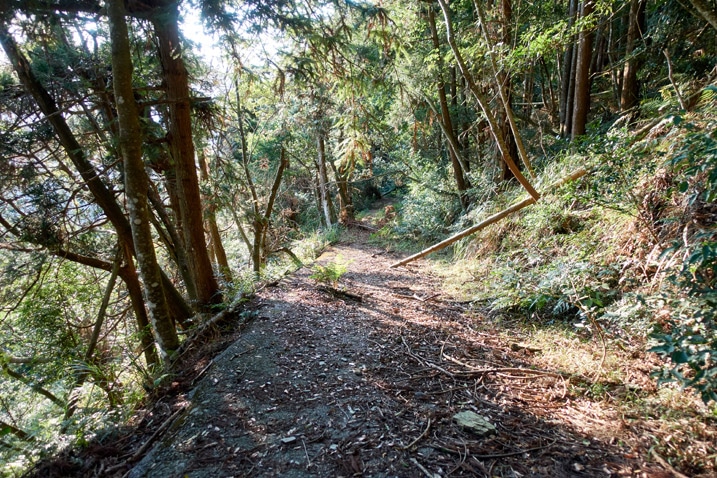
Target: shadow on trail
319, 386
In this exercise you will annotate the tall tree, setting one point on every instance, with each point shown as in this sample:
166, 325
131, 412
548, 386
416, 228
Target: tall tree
581, 105
459, 173
567, 84
630, 93
136, 181
77, 154
165, 20
483, 102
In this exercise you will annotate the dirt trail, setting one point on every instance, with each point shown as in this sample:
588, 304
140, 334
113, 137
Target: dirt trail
327, 386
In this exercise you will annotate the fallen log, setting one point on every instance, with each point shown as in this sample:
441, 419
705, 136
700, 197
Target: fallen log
487, 222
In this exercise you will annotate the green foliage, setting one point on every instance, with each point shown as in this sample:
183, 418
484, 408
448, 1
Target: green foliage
689, 338
430, 206
330, 273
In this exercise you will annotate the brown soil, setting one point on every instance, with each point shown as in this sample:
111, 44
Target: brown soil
311, 382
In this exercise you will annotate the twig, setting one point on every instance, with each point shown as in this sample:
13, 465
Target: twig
423, 469
425, 432
513, 453
683, 105
204, 370
484, 371
416, 297
423, 361
666, 465
446, 449
598, 327
306, 452
141, 451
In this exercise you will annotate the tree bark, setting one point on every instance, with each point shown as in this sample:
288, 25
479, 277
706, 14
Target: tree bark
706, 10
136, 183
327, 210
630, 94
462, 183
165, 22
482, 101
102, 195
567, 84
582, 75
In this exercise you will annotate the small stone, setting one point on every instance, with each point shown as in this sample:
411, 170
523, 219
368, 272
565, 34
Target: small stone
288, 440
475, 423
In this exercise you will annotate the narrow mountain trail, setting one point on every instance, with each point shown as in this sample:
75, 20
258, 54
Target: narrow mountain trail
369, 384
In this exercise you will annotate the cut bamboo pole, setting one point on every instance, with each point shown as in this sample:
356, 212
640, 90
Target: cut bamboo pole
487, 222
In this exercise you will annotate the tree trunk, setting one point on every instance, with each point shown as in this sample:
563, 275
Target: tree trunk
283, 164
482, 101
346, 208
327, 209
176, 250
102, 195
136, 182
582, 75
462, 183
630, 94
508, 128
211, 220
706, 10
94, 340
129, 275
567, 86
165, 23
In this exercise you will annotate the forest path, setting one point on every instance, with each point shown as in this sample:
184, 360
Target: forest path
325, 385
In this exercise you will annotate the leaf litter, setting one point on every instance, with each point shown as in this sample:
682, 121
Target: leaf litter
311, 383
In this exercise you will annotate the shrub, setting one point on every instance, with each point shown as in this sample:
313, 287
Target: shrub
689, 337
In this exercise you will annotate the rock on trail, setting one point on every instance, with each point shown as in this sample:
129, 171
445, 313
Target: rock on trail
324, 385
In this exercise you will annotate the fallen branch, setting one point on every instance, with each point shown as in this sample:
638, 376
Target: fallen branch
484, 371
513, 453
145, 446
416, 297
423, 469
487, 222
664, 463
204, 329
361, 225
340, 293
423, 361
425, 432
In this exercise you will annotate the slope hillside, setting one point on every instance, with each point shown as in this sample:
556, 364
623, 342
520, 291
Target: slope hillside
382, 373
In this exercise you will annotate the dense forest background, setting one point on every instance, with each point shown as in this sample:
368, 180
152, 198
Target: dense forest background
145, 188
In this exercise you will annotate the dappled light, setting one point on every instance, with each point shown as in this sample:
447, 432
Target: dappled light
341, 238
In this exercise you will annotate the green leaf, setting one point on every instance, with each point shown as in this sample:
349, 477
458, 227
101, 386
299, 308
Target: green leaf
679, 357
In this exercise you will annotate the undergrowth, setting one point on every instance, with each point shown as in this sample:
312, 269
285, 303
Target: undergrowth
612, 277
